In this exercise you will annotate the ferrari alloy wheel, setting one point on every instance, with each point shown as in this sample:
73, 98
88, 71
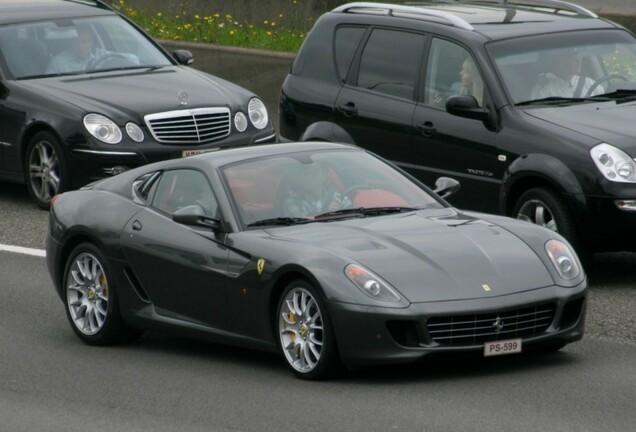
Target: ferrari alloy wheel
304, 332
90, 299
87, 293
46, 170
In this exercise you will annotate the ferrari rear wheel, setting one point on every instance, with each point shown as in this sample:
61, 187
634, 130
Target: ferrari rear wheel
305, 334
91, 299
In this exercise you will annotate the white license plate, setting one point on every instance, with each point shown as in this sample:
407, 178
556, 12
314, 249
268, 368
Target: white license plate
187, 153
509, 346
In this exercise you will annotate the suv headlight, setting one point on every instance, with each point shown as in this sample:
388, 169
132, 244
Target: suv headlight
102, 128
614, 164
258, 113
371, 284
563, 259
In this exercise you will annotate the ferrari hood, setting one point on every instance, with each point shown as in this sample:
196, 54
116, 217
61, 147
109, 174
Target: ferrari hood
123, 95
432, 259
608, 122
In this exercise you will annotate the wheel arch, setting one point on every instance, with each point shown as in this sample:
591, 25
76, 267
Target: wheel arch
32, 130
539, 170
65, 252
326, 131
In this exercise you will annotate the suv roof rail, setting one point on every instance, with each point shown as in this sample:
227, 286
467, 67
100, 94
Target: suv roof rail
557, 5
406, 12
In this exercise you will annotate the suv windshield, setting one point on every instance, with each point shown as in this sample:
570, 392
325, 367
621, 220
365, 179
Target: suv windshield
566, 65
76, 46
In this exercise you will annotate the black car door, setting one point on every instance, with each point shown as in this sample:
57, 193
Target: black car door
448, 145
376, 104
182, 269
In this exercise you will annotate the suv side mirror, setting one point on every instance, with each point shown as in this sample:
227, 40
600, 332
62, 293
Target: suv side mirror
194, 215
466, 106
446, 186
183, 57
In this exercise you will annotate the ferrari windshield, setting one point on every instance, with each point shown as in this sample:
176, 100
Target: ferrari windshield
74, 46
320, 185
566, 66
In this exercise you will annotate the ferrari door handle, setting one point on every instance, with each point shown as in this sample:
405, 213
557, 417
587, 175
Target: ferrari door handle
348, 110
427, 128
136, 226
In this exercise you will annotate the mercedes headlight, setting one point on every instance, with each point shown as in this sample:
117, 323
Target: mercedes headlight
614, 164
371, 284
258, 113
102, 128
563, 259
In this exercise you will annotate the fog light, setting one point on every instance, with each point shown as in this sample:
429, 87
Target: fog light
113, 171
627, 205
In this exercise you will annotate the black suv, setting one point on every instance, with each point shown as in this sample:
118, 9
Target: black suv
530, 104
85, 93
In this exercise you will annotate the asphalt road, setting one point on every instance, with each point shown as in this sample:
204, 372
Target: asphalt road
50, 381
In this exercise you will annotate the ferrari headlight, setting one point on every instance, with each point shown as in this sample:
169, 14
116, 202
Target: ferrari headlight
614, 164
371, 284
258, 113
102, 128
563, 259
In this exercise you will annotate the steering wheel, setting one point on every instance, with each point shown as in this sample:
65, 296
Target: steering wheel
118, 60
603, 79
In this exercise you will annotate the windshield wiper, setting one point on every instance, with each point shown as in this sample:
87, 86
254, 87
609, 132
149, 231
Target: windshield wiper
279, 221
621, 94
555, 100
364, 211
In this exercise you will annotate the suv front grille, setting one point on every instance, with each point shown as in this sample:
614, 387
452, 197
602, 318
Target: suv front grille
191, 126
469, 330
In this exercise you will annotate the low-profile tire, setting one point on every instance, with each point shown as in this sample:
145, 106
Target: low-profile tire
304, 333
45, 169
544, 207
90, 299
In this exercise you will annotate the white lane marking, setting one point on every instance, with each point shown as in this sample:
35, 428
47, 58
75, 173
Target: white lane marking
22, 250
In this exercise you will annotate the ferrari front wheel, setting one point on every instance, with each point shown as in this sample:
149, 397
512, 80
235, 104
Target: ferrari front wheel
91, 299
305, 335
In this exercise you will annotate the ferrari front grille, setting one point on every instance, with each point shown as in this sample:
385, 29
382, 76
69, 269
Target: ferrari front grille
466, 330
190, 126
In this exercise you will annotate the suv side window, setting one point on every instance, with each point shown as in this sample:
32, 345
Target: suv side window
388, 70
346, 42
451, 70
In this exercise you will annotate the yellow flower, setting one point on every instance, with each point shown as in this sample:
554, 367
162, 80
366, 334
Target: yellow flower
232, 32
266, 22
196, 17
216, 15
269, 33
273, 24
159, 14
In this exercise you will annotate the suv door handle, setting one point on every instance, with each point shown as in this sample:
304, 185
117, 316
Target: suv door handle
427, 128
348, 110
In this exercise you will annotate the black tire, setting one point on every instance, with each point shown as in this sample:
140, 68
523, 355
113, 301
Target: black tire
544, 207
90, 299
45, 169
305, 338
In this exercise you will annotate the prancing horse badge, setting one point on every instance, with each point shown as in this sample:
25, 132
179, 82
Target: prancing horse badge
260, 265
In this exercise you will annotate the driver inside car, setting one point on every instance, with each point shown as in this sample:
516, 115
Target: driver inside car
83, 55
312, 193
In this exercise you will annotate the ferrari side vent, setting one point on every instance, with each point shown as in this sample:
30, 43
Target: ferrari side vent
134, 282
191, 126
467, 330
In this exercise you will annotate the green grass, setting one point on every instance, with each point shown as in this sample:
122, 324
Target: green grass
272, 34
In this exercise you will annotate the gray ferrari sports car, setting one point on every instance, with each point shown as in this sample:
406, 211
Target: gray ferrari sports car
322, 252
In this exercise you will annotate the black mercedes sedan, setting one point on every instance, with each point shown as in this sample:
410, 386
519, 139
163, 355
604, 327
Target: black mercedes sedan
85, 93
322, 252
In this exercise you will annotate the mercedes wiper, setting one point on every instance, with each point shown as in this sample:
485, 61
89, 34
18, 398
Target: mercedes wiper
279, 221
556, 100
